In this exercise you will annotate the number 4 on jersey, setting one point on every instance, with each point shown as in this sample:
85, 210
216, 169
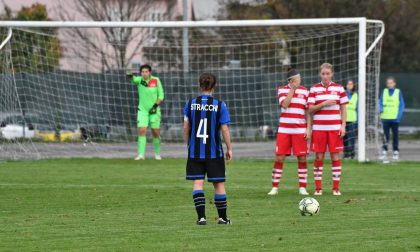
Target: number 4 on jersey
202, 127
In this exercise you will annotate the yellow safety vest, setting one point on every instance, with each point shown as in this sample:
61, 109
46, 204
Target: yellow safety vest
390, 104
351, 108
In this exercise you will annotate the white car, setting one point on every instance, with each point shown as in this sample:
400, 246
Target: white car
13, 131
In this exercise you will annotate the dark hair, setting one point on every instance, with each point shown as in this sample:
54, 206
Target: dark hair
354, 85
207, 81
291, 72
145, 66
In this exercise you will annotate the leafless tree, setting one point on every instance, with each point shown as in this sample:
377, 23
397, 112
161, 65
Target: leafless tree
107, 48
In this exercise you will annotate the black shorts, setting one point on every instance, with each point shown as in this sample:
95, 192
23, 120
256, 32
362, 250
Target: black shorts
214, 168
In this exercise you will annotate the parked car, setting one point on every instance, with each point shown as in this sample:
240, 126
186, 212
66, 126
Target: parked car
13, 126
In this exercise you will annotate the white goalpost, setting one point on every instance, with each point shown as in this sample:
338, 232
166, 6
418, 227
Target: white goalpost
64, 91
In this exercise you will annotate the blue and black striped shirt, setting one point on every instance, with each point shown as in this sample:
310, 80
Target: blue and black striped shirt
205, 115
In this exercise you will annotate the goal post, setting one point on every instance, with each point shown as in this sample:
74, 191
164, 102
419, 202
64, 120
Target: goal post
361, 154
66, 79
7, 39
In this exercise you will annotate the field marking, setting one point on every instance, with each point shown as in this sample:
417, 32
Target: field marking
186, 185
85, 185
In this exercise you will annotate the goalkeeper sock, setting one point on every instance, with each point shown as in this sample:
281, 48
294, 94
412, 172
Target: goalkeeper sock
156, 145
318, 174
141, 145
336, 174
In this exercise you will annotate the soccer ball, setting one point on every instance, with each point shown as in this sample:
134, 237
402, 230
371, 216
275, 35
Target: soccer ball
308, 206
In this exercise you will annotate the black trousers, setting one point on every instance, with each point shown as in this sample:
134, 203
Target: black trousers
350, 139
390, 126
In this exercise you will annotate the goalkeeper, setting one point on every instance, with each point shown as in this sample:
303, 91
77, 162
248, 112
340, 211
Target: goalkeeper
150, 97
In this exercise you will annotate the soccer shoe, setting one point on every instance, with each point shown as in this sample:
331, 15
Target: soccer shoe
383, 155
302, 191
318, 192
224, 222
158, 157
336, 192
274, 191
202, 221
139, 157
396, 156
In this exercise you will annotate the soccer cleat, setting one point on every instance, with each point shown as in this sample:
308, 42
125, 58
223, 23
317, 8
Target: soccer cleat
158, 157
202, 221
139, 157
302, 191
383, 155
336, 192
318, 192
224, 222
274, 191
396, 156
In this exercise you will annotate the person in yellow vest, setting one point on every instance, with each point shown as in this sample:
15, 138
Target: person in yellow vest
391, 107
351, 120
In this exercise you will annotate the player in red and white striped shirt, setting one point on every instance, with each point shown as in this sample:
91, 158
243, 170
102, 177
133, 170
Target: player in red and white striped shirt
293, 131
327, 102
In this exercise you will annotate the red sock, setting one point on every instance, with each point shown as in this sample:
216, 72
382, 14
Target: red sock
336, 174
302, 174
318, 174
277, 172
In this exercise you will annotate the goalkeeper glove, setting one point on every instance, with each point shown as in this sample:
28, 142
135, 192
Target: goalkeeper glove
129, 75
153, 110
144, 83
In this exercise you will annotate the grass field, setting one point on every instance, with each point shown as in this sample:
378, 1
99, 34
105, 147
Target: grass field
123, 205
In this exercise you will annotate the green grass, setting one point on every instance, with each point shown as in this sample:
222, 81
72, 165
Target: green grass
123, 205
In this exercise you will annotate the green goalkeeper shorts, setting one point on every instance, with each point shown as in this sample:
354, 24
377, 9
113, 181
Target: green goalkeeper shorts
145, 119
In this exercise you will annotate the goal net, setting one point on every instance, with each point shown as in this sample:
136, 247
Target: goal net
64, 91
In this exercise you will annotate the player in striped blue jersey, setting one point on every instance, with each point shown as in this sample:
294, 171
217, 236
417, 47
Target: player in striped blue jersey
204, 118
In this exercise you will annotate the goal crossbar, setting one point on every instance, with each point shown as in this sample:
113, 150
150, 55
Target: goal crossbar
186, 24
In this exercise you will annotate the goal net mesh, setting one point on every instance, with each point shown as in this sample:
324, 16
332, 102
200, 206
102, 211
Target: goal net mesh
64, 91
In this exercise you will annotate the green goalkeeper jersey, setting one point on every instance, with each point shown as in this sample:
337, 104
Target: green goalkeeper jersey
149, 92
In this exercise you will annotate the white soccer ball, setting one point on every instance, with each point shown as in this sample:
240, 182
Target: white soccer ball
308, 206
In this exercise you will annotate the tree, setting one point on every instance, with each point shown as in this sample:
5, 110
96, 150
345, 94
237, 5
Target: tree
165, 42
37, 50
113, 48
401, 18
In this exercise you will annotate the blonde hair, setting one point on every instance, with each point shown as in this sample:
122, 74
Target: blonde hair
327, 66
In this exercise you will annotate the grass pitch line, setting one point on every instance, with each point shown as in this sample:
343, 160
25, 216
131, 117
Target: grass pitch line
185, 186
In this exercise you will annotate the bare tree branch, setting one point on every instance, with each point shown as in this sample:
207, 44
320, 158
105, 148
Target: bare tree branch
115, 47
